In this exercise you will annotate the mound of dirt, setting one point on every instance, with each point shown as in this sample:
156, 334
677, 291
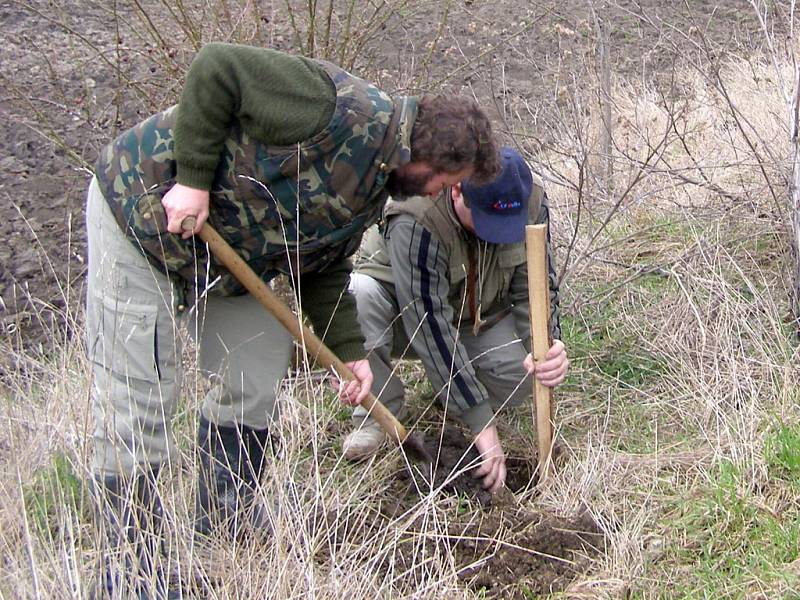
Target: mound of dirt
498, 546
514, 555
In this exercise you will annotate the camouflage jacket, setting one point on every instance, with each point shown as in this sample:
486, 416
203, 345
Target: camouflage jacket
285, 209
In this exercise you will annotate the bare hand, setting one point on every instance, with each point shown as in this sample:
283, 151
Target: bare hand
183, 201
353, 392
553, 369
493, 461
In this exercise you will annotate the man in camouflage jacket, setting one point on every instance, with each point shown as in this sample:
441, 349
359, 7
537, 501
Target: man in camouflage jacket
290, 159
447, 282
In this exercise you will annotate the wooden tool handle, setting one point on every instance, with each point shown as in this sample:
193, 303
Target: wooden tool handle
316, 347
539, 296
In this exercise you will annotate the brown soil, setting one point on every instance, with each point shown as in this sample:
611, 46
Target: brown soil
508, 551
455, 460
542, 555
521, 554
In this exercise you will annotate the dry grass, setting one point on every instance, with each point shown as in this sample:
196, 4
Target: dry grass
685, 363
684, 372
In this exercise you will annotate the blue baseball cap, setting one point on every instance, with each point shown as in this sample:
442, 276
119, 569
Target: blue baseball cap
500, 207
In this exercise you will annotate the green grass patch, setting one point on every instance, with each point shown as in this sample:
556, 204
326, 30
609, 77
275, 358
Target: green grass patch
733, 544
341, 413
768, 245
54, 493
611, 352
635, 429
782, 448
655, 283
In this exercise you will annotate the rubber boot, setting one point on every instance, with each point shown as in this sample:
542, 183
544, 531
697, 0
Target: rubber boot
131, 515
231, 462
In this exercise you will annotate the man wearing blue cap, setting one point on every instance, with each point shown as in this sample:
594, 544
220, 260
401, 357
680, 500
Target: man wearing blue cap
446, 281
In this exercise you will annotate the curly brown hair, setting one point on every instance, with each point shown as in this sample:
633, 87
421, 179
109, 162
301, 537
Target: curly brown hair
452, 133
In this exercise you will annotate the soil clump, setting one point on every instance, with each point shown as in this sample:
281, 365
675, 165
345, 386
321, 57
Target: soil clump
496, 541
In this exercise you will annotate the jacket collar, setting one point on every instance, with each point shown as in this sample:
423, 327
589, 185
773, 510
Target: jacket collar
399, 152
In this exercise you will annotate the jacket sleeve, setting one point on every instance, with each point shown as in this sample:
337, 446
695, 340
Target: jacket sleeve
277, 98
519, 289
324, 299
420, 271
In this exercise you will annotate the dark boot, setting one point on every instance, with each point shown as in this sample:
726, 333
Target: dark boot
231, 463
131, 516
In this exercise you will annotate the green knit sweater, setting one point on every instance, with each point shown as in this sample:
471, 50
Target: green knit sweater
278, 99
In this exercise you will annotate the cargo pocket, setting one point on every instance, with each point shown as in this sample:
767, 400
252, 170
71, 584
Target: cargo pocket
126, 342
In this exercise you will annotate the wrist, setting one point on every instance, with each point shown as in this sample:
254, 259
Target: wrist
349, 351
478, 417
195, 177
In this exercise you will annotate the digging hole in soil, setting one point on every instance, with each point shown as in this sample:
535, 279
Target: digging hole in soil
455, 462
505, 550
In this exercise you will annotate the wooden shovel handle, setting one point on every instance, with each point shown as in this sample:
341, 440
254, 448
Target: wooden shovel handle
539, 297
315, 346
